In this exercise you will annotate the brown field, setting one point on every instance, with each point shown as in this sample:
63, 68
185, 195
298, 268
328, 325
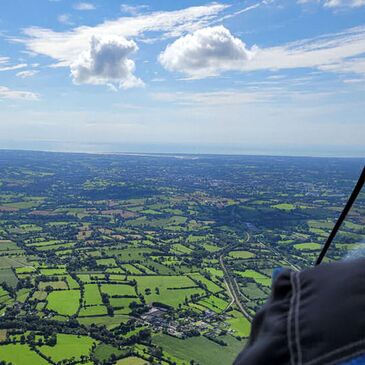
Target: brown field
121, 212
42, 212
2, 335
7, 209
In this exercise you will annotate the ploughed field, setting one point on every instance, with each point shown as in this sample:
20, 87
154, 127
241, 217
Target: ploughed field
112, 259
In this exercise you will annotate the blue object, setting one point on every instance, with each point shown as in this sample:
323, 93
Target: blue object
357, 361
275, 273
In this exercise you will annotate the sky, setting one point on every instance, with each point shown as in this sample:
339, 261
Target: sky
240, 77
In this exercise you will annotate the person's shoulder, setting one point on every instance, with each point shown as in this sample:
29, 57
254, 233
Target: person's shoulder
313, 317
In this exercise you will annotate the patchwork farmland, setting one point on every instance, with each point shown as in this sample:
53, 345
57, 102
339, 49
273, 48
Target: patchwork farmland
109, 259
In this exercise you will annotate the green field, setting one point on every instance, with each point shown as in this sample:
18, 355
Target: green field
92, 294
68, 347
123, 304
131, 269
308, 246
258, 277
103, 352
200, 349
109, 322
8, 276
95, 310
321, 224
284, 206
213, 303
118, 290
240, 324
215, 272
212, 287
65, 302
53, 271
171, 288
241, 254
7, 245
106, 262
18, 354
211, 248
132, 360
180, 249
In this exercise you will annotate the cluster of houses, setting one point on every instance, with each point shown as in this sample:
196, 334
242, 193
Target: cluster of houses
209, 323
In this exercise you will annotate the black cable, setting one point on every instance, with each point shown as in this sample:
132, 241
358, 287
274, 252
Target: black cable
343, 215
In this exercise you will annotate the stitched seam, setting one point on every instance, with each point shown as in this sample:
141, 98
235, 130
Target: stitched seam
296, 320
334, 352
289, 329
346, 357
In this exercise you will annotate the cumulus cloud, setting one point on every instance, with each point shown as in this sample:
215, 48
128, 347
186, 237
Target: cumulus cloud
213, 50
107, 62
84, 6
7, 93
206, 52
27, 73
65, 47
200, 49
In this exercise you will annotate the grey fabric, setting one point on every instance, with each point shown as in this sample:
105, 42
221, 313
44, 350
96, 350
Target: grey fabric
316, 316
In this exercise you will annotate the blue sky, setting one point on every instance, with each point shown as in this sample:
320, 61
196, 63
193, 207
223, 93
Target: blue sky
265, 77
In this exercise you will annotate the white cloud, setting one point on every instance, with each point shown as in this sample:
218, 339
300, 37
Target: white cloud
206, 52
6, 93
107, 62
84, 6
211, 51
259, 93
13, 67
319, 53
133, 10
214, 98
65, 47
4, 60
336, 3
65, 19
344, 3
5, 66
355, 66
27, 73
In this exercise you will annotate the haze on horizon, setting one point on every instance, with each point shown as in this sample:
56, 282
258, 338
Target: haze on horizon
238, 77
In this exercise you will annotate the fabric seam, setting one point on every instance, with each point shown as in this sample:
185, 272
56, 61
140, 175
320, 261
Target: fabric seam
296, 319
289, 321
338, 352
346, 357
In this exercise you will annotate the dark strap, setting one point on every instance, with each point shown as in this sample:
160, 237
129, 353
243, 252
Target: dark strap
343, 215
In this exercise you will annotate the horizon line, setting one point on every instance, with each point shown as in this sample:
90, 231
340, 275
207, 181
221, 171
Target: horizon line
174, 154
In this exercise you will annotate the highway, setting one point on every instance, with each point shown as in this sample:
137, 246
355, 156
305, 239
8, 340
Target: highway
231, 283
